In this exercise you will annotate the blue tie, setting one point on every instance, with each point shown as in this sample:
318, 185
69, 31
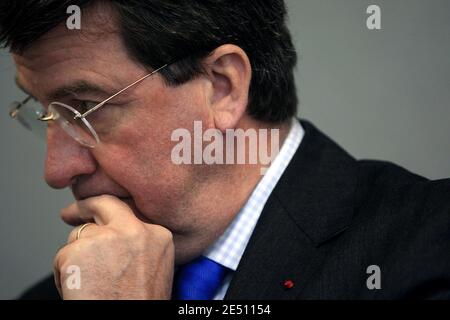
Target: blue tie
198, 280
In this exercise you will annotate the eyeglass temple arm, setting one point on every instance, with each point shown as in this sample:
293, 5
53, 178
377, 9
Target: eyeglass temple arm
13, 112
116, 94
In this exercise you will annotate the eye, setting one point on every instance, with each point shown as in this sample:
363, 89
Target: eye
84, 106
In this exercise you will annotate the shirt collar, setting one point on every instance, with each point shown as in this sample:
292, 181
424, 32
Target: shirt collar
230, 247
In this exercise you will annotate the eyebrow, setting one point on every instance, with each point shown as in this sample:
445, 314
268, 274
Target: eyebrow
76, 88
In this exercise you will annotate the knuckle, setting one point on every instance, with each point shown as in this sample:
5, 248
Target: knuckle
102, 202
135, 231
95, 203
104, 198
84, 245
72, 235
162, 233
60, 257
108, 236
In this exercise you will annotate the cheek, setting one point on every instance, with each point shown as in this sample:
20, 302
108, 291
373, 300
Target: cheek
145, 169
148, 127
179, 107
139, 158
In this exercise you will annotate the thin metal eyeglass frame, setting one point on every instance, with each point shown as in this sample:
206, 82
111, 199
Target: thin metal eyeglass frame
101, 104
50, 116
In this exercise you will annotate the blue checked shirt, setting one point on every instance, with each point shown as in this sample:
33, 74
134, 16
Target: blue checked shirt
228, 250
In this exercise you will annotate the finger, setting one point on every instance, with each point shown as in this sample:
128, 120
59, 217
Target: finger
87, 232
74, 216
57, 264
57, 279
101, 209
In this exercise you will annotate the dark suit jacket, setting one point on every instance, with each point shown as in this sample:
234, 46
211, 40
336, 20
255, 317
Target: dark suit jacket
329, 218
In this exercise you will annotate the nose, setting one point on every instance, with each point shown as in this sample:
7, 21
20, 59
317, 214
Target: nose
66, 159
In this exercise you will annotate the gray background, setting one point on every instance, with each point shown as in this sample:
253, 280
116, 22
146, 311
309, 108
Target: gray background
380, 94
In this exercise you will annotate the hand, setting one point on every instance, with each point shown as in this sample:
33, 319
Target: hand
119, 257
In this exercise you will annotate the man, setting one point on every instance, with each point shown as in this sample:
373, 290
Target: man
316, 225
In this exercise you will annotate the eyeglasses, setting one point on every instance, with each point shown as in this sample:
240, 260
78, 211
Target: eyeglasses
33, 116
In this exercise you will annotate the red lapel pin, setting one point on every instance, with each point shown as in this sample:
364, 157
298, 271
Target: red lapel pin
288, 284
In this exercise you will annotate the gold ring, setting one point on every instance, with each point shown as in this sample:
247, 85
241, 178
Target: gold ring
81, 229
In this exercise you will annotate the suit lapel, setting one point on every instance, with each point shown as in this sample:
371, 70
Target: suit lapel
311, 204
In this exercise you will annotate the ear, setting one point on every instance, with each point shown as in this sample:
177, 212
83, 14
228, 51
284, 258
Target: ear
229, 72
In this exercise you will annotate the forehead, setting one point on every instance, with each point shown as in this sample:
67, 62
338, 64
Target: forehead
94, 53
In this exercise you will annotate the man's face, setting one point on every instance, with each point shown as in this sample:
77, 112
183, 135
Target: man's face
133, 160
